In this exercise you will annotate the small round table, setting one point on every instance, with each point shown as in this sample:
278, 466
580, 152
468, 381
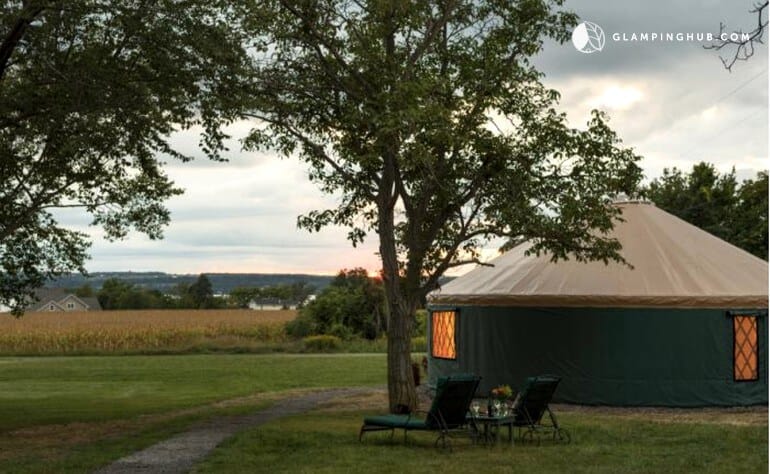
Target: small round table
491, 427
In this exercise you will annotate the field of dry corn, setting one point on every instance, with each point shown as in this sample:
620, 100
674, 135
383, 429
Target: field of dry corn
146, 331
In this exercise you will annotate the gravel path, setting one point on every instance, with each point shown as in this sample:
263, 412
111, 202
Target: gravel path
180, 453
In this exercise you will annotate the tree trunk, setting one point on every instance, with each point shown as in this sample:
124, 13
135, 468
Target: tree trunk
401, 393
402, 396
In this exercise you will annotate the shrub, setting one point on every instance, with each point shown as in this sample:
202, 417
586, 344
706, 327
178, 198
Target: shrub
341, 331
299, 327
419, 344
322, 343
353, 300
420, 323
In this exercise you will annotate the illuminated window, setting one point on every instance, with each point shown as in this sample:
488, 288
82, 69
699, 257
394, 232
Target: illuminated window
745, 351
443, 335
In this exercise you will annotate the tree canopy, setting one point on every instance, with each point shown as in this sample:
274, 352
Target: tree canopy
432, 125
117, 294
353, 304
90, 91
716, 203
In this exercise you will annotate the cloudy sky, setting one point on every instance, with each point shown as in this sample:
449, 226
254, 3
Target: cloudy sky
671, 101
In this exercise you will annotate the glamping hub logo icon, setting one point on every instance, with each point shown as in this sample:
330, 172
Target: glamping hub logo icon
588, 37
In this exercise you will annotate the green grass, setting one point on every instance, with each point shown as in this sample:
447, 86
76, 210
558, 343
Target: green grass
194, 345
108, 407
327, 443
36, 391
97, 452
74, 414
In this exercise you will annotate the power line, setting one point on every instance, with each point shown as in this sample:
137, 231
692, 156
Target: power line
753, 78
686, 93
730, 126
713, 136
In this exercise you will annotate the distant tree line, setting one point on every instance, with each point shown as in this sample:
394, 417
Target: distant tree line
223, 283
294, 294
120, 294
717, 203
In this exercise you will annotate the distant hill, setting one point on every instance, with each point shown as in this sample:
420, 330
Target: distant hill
164, 282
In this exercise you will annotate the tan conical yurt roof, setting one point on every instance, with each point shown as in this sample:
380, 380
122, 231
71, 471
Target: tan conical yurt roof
675, 265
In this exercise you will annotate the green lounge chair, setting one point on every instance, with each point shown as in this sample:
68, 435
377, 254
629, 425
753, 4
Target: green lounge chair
532, 404
447, 412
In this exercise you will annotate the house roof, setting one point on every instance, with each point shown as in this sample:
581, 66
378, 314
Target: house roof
43, 305
46, 294
57, 296
675, 264
91, 301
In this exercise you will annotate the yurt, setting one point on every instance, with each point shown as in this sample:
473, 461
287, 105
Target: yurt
684, 325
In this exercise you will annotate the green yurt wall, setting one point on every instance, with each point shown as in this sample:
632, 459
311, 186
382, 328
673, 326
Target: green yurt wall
606, 356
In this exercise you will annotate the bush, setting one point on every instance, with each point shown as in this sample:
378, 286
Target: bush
300, 327
419, 344
353, 300
322, 343
420, 323
341, 331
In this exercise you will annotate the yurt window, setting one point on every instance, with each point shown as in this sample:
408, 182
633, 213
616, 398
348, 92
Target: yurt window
746, 357
443, 334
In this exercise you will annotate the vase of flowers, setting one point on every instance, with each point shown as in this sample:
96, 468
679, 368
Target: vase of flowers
502, 393
499, 396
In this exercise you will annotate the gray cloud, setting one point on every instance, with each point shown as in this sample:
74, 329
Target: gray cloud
689, 108
652, 16
672, 102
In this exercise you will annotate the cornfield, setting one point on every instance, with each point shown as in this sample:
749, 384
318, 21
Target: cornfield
146, 331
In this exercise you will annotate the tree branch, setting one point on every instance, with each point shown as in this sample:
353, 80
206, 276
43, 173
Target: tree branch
313, 32
28, 14
317, 150
433, 29
744, 48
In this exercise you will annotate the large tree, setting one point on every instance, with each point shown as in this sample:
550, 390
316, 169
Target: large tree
90, 91
716, 203
429, 121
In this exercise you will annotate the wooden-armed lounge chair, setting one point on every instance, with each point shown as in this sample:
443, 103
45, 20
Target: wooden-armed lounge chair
447, 412
532, 404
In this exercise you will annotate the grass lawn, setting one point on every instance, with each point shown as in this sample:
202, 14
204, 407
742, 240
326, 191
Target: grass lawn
74, 414
70, 414
327, 442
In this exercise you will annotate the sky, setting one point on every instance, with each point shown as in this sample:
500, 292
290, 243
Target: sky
673, 102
